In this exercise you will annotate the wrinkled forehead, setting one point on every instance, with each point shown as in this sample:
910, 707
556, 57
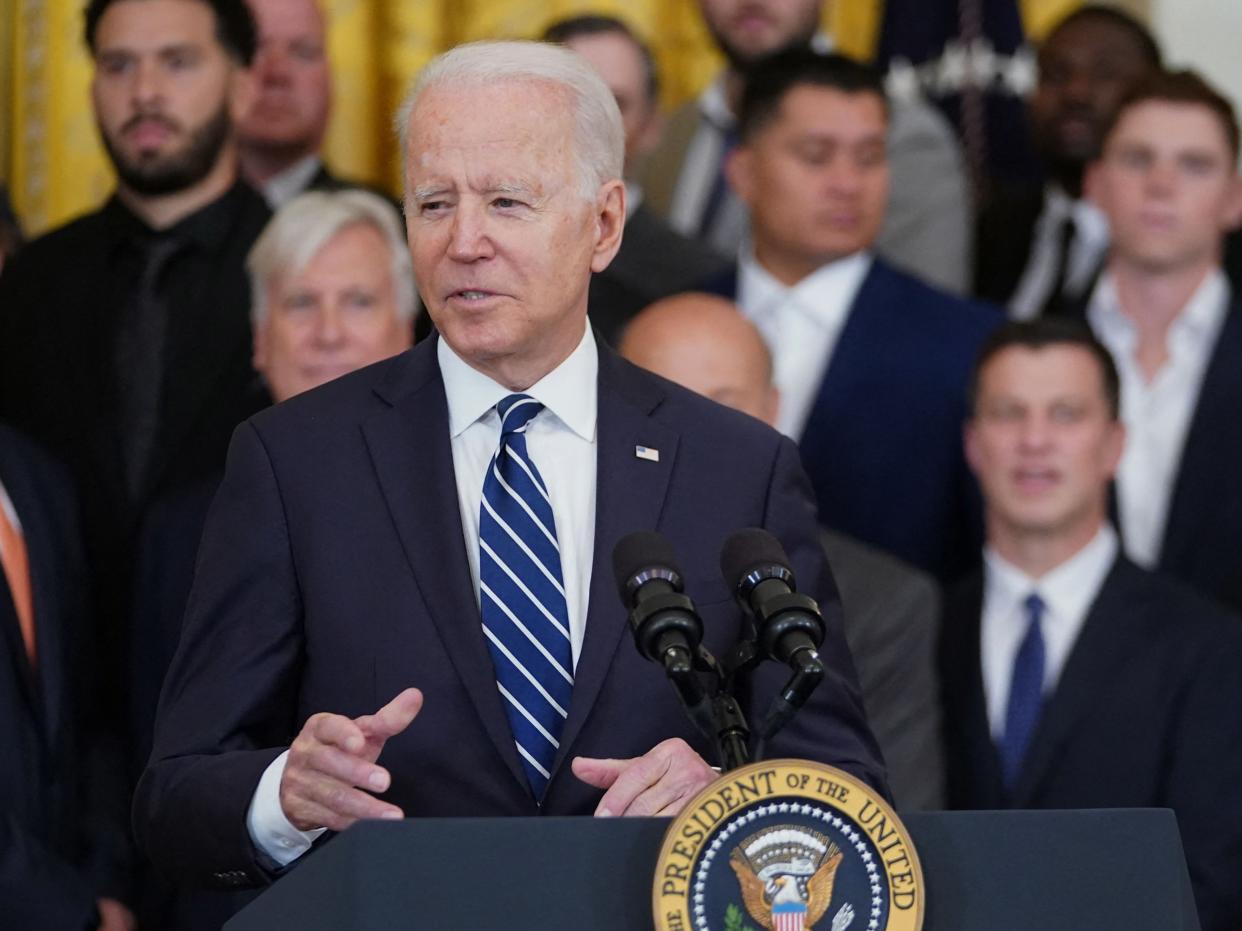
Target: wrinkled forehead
503, 132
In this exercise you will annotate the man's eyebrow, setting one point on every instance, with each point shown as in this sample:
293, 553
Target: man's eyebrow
423, 191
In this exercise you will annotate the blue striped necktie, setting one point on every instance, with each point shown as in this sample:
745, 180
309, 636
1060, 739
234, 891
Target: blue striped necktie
1026, 694
521, 595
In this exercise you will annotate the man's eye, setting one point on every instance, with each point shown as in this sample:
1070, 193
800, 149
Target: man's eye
506, 203
432, 206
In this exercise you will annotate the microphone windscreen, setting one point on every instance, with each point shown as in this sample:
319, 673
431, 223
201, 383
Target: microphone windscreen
748, 550
637, 551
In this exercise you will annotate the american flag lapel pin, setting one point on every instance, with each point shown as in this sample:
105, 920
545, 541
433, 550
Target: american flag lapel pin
646, 452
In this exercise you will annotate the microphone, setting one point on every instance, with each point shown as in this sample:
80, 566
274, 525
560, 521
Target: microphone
667, 630
788, 625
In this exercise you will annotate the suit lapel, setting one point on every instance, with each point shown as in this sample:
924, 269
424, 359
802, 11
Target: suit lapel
977, 780
411, 450
1197, 490
1107, 638
629, 496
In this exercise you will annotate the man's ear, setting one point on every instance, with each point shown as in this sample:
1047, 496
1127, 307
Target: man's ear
243, 91
610, 223
739, 168
1233, 203
1091, 183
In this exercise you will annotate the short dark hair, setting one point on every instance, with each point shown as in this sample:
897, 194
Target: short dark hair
1146, 42
770, 79
1180, 87
235, 28
1041, 333
566, 30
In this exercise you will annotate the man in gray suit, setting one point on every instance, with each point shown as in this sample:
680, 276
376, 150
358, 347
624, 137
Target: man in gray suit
891, 609
927, 228
654, 261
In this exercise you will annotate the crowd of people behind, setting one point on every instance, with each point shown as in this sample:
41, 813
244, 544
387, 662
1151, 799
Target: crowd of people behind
1016, 410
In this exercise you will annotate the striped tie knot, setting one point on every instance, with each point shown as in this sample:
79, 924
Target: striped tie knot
516, 411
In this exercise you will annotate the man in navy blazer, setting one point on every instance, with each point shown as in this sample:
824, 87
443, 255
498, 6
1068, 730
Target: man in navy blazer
1118, 688
343, 559
871, 363
1167, 181
64, 854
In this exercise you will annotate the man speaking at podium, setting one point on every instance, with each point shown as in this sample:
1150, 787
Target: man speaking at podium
403, 604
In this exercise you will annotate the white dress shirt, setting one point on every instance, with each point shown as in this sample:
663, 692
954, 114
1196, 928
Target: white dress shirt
1089, 245
561, 440
1068, 592
1157, 413
279, 189
801, 325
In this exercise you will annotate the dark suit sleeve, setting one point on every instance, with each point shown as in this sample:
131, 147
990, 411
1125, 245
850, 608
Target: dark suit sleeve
38, 889
831, 726
1205, 773
229, 703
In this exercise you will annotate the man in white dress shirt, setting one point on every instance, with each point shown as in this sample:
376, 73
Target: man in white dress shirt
430, 536
1165, 309
1071, 677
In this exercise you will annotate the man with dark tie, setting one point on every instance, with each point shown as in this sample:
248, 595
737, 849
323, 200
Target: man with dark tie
1072, 678
125, 334
1039, 247
431, 536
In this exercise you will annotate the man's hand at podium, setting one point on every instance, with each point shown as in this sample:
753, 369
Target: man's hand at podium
333, 759
658, 783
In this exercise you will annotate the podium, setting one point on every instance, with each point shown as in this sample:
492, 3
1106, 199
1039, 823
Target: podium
984, 871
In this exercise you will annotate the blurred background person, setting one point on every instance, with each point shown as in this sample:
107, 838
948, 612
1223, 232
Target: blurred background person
891, 610
1072, 678
333, 291
654, 261
1168, 183
927, 220
64, 851
1039, 248
871, 363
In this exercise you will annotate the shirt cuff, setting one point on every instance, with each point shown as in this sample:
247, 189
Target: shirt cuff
269, 829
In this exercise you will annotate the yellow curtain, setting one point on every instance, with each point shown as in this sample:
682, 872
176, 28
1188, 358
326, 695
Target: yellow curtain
52, 162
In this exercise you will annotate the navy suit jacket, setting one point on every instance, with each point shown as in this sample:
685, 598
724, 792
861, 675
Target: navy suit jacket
1203, 531
883, 443
333, 574
1145, 714
57, 853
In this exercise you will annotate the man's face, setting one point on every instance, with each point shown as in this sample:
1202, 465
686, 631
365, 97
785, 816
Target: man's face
1042, 442
292, 81
165, 92
336, 315
747, 30
1084, 68
815, 179
620, 64
502, 238
1168, 185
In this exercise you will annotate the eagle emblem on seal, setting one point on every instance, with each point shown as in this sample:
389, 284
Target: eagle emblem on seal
786, 875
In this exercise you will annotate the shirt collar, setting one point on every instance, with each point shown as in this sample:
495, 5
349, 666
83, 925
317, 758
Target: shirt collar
1067, 590
569, 391
283, 187
759, 292
209, 226
1196, 326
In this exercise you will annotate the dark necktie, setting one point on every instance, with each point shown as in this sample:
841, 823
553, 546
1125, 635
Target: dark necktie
140, 351
1026, 694
1057, 302
720, 186
521, 595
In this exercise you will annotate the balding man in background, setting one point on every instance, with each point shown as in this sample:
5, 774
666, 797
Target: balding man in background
704, 343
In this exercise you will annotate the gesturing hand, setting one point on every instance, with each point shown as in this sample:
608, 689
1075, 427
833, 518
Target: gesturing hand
333, 759
660, 782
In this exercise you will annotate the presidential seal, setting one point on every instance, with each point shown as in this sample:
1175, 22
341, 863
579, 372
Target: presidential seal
787, 845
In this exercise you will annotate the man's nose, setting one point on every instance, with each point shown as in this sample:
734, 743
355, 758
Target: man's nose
469, 239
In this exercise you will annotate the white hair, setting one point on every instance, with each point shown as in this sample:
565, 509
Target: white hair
306, 224
599, 139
